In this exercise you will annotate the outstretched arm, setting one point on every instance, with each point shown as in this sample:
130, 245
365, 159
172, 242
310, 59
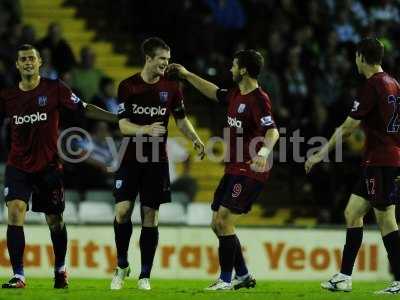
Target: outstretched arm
205, 87
343, 132
186, 127
97, 113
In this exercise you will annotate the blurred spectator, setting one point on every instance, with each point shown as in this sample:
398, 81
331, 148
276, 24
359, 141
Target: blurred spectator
47, 70
297, 91
62, 56
106, 97
86, 77
228, 14
345, 29
386, 11
270, 82
276, 47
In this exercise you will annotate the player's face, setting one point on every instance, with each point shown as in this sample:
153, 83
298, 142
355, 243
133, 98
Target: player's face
28, 62
236, 76
159, 62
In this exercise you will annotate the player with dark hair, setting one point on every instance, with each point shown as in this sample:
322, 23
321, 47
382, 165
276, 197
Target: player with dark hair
146, 101
249, 118
376, 109
33, 167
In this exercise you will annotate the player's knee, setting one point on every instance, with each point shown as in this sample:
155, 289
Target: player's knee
219, 225
16, 213
55, 222
150, 220
123, 215
351, 217
387, 223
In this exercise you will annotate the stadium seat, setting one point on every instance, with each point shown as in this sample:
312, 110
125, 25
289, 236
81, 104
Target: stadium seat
99, 196
71, 213
199, 214
96, 213
35, 218
72, 196
172, 213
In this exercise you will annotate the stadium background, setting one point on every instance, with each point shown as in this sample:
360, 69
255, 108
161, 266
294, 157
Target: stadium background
309, 74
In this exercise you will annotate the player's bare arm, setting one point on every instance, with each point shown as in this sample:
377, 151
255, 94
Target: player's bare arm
130, 129
186, 127
259, 163
97, 113
207, 88
343, 132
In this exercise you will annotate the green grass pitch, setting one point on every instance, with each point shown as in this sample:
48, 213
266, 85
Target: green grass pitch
86, 289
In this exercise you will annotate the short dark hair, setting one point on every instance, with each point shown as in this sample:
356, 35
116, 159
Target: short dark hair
26, 47
150, 45
251, 60
372, 50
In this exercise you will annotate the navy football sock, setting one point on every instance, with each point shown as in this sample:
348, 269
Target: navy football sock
354, 238
123, 233
148, 246
226, 252
239, 264
60, 240
16, 247
392, 245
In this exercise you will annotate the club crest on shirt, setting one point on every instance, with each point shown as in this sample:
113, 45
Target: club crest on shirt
42, 101
118, 184
163, 97
241, 108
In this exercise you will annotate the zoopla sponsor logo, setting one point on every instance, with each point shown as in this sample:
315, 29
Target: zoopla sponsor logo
148, 110
30, 119
233, 122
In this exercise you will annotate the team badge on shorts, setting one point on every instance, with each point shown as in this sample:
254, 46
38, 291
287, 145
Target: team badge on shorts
118, 184
42, 101
6, 191
163, 97
237, 189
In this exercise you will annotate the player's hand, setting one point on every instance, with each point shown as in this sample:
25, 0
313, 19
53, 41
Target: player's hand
311, 161
200, 149
155, 129
179, 69
259, 164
